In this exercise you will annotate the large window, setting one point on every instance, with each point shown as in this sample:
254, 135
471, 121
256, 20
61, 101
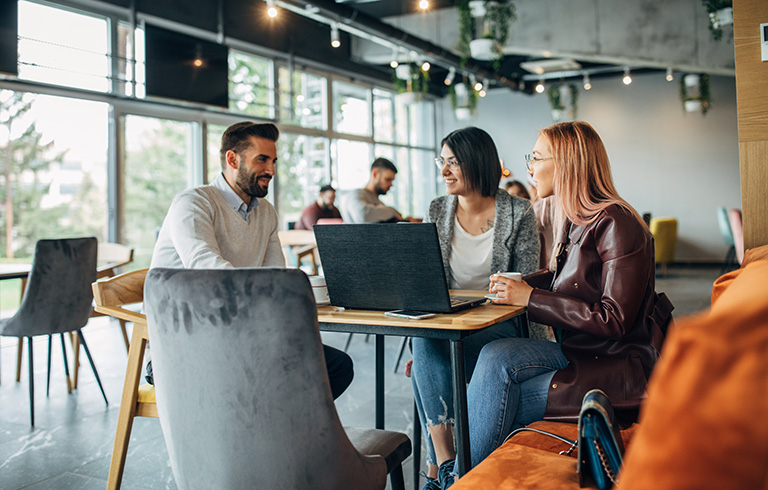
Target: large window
158, 161
54, 182
251, 85
302, 168
302, 98
75, 56
351, 109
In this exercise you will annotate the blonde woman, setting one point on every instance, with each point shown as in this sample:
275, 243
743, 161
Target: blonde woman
600, 299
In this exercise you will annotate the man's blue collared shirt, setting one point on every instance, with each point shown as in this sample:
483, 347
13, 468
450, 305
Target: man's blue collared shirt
233, 199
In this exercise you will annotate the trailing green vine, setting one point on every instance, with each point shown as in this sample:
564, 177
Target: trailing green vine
712, 7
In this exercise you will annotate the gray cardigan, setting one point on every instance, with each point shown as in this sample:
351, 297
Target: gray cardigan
515, 233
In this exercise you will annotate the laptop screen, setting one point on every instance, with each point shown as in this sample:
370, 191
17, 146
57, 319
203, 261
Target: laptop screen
383, 266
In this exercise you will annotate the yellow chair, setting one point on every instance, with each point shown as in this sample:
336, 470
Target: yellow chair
664, 232
111, 296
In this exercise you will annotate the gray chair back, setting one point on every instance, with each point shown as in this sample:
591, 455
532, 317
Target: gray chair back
241, 384
58, 297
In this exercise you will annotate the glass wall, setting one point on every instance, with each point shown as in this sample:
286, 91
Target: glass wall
158, 161
73, 174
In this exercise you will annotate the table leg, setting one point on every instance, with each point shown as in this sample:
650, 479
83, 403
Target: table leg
461, 429
379, 381
523, 319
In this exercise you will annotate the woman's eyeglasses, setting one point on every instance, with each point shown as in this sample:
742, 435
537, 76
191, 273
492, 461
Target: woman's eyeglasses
452, 164
530, 160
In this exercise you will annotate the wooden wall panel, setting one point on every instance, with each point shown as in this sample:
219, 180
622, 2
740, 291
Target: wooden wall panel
752, 107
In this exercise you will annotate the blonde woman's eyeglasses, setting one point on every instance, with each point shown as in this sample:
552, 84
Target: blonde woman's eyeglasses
530, 160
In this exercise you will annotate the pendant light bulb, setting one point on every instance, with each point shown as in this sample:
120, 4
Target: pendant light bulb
450, 77
540, 87
335, 42
670, 76
627, 78
587, 83
271, 9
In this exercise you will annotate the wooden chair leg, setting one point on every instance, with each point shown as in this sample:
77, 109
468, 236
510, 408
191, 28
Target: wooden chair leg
66, 363
19, 352
31, 383
125, 335
75, 341
127, 408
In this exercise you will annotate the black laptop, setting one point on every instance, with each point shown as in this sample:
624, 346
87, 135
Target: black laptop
392, 266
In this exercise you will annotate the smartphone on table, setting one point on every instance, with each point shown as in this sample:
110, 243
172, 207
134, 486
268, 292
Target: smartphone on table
410, 314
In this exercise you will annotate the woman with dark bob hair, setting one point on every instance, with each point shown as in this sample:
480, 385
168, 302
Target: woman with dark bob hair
608, 319
482, 230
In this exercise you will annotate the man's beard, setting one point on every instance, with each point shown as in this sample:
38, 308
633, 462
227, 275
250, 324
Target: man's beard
379, 190
249, 183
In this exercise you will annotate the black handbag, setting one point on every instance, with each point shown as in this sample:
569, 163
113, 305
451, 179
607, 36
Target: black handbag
600, 445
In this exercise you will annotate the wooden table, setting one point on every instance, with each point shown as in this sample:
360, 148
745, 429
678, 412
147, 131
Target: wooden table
452, 327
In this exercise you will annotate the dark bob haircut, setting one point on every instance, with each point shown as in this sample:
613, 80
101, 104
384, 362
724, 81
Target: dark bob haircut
236, 137
478, 159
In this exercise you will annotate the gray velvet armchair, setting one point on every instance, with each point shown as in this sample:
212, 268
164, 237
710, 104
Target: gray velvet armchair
242, 389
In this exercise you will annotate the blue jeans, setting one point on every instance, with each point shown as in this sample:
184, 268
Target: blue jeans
432, 379
509, 390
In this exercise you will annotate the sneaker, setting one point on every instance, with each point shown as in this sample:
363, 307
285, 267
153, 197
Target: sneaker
431, 484
446, 474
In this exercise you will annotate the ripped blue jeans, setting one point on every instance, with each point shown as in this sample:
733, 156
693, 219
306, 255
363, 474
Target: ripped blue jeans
432, 379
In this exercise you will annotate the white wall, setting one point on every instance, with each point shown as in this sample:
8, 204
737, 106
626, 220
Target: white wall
665, 161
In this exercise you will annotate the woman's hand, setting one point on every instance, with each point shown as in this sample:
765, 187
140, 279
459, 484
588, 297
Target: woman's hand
509, 292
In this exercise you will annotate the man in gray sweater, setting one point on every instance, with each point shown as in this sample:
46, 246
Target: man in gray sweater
363, 205
228, 224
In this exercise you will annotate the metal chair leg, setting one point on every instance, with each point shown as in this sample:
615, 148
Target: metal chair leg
48, 380
31, 383
66, 363
416, 446
400, 351
396, 478
93, 366
349, 340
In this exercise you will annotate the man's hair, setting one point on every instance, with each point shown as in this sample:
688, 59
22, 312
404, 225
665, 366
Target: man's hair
478, 159
327, 188
383, 163
236, 137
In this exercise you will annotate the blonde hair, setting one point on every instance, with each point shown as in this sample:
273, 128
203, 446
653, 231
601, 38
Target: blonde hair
583, 184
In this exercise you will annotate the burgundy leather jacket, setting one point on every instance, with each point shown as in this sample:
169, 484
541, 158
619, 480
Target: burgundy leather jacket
613, 323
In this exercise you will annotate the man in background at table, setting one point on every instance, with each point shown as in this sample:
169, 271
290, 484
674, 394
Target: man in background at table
363, 205
323, 208
228, 224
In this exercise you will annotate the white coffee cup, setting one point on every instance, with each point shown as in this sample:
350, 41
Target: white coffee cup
515, 276
319, 290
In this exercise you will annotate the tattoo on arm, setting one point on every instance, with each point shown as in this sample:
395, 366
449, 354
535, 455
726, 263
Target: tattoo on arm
488, 226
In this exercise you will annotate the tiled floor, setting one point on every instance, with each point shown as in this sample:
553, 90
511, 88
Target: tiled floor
71, 445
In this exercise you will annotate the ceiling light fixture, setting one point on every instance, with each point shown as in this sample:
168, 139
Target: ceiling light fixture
425, 66
450, 76
587, 84
271, 10
423, 4
482, 93
627, 78
473, 82
670, 76
335, 36
540, 87
394, 63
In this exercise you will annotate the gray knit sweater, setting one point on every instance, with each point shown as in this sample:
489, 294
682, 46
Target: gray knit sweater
515, 233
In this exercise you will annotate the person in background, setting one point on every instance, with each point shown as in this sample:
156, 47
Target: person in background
228, 223
516, 188
482, 230
600, 297
363, 205
322, 208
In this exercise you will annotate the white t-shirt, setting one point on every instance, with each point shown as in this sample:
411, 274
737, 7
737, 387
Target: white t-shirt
470, 258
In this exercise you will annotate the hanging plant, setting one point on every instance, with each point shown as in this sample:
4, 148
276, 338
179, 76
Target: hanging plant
695, 94
496, 17
720, 14
416, 85
463, 100
563, 100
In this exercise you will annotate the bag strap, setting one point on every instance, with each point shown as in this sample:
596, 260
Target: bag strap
559, 438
